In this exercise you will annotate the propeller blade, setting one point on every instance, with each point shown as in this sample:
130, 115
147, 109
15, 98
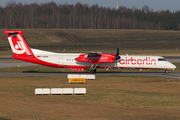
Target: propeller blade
117, 53
117, 57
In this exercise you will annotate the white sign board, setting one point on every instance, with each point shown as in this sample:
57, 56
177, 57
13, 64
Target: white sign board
86, 76
38, 91
57, 91
80, 91
46, 91
67, 91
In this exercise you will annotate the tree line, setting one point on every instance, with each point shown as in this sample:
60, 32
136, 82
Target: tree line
50, 15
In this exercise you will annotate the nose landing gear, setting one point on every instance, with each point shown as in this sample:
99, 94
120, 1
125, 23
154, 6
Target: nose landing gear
166, 71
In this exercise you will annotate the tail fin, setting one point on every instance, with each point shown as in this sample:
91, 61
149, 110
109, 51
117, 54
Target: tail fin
18, 43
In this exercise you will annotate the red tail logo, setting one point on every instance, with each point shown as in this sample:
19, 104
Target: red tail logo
18, 43
18, 46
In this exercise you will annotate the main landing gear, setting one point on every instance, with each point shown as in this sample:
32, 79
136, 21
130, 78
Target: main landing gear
166, 71
93, 69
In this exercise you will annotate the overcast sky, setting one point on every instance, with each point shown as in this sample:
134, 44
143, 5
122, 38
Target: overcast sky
156, 5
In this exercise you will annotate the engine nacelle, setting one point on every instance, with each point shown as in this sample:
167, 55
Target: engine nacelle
97, 59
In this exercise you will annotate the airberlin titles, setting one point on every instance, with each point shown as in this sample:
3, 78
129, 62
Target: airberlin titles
133, 61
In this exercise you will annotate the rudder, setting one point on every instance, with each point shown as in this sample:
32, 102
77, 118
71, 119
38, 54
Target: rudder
18, 44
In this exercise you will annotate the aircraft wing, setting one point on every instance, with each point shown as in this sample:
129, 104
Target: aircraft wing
94, 54
96, 58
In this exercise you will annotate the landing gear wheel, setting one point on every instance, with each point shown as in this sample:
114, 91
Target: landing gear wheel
166, 71
91, 71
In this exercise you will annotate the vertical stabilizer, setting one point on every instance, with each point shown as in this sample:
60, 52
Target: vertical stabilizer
18, 44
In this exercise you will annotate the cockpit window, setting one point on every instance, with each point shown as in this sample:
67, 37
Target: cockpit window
161, 59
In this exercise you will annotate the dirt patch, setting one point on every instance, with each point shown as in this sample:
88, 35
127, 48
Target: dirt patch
63, 37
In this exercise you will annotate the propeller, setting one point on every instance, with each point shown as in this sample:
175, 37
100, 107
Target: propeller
117, 57
117, 54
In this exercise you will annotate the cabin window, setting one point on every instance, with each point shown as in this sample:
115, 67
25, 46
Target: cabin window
161, 59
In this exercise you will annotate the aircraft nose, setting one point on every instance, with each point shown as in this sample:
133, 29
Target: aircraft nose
172, 66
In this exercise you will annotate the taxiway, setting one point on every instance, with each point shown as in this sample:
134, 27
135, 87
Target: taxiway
170, 75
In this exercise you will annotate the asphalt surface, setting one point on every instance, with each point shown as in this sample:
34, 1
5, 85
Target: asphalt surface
170, 75
172, 59
4, 119
15, 64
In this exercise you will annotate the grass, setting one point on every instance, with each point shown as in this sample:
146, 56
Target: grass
5, 54
110, 97
142, 42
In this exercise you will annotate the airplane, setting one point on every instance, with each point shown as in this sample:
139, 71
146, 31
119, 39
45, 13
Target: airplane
82, 61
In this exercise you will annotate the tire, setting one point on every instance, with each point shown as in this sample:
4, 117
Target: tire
91, 71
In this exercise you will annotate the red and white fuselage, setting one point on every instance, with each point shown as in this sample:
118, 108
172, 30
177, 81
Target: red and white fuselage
80, 61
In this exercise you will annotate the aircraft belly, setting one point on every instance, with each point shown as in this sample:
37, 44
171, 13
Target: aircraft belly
107, 64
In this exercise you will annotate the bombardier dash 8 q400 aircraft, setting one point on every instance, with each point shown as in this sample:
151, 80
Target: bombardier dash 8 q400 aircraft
80, 62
